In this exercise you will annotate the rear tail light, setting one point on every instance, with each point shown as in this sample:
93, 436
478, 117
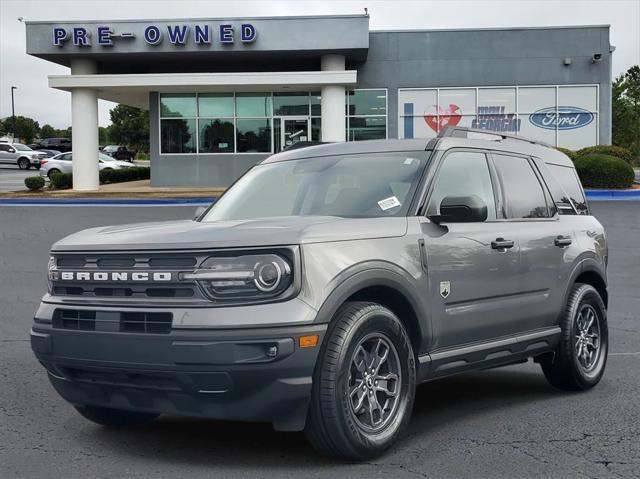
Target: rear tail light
43, 162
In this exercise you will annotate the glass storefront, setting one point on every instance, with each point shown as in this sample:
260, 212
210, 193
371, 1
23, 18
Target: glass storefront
261, 122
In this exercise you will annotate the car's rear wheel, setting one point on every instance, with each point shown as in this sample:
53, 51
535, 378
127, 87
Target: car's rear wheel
52, 171
364, 384
115, 417
580, 359
24, 163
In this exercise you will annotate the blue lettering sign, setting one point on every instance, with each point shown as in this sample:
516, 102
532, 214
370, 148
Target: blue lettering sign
81, 37
152, 35
201, 34
226, 33
104, 36
565, 118
60, 35
247, 33
177, 34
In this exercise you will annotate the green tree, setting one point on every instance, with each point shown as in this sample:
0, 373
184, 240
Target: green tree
625, 108
129, 127
104, 135
25, 128
47, 131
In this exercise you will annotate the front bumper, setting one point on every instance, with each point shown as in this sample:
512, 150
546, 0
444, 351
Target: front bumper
256, 374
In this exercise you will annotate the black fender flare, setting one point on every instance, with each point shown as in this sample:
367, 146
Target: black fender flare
378, 273
586, 262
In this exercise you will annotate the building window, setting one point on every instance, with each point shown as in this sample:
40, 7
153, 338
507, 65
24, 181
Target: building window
366, 114
561, 115
216, 135
179, 105
178, 135
240, 122
253, 135
253, 104
291, 104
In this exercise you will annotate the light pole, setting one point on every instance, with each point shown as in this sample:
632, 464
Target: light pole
13, 115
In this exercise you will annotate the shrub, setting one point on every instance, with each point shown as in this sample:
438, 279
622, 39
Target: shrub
124, 174
61, 181
34, 182
604, 171
610, 150
570, 153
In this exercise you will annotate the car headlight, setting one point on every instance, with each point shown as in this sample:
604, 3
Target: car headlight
243, 277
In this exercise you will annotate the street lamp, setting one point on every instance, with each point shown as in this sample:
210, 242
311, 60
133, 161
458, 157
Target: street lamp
13, 115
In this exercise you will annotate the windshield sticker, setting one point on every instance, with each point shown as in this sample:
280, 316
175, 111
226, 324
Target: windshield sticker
408, 161
388, 203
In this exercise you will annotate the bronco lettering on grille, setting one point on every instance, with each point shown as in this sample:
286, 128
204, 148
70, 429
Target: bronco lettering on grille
115, 276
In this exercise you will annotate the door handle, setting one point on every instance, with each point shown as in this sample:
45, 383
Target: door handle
562, 241
501, 243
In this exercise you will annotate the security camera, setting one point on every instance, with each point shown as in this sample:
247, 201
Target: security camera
596, 57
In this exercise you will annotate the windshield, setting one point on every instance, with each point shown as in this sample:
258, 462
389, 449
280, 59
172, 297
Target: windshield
110, 148
21, 147
104, 157
366, 185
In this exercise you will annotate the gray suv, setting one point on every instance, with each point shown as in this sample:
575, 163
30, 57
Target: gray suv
328, 282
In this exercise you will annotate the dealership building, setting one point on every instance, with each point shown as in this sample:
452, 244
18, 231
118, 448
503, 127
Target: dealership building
223, 94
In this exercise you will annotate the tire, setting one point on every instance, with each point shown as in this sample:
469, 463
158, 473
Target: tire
24, 163
336, 426
116, 418
578, 364
52, 172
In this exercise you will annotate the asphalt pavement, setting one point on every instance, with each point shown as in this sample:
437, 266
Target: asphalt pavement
12, 178
500, 423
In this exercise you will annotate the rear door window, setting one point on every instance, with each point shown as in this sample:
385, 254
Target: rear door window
568, 179
524, 195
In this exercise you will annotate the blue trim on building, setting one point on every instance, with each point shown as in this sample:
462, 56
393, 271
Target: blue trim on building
615, 195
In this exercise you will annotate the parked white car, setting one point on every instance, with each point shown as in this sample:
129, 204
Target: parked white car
62, 163
21, 155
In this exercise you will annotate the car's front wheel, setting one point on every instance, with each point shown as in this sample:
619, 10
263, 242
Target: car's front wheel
115, 417
364, 383
24, 163
581, 356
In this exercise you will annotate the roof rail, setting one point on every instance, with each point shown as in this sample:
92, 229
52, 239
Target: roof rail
463, 132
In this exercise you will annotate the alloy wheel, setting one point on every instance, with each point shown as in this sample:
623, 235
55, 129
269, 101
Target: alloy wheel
375, 381
587, 337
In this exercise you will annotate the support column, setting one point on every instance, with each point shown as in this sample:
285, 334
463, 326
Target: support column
84, 123
332, 102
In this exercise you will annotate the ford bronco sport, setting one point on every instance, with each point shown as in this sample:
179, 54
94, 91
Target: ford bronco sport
327, 282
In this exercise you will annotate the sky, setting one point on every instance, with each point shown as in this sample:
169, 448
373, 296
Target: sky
35, 99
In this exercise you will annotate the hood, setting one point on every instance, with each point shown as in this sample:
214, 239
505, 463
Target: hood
189, 234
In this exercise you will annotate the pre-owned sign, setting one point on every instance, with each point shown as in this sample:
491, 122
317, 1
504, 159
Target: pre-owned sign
180, 34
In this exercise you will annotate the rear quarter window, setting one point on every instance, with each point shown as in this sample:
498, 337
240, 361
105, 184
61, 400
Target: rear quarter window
568, 180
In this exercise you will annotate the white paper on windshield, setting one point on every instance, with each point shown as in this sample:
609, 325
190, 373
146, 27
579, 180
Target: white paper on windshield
388, 203
408, 161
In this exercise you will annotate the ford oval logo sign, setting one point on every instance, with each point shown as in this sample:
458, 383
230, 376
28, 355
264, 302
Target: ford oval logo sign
565, 118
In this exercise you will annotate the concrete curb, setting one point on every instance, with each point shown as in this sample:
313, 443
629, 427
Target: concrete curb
613, 195
592, 195
106, 201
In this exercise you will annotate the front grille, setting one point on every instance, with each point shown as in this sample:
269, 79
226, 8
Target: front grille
146, 380
107, 321
130, 263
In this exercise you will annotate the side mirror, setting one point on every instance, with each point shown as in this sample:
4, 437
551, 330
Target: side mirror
198, 213
461, 209
12, 150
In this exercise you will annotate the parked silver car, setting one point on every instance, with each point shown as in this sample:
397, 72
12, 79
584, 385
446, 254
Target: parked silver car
21, 155
62, 164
